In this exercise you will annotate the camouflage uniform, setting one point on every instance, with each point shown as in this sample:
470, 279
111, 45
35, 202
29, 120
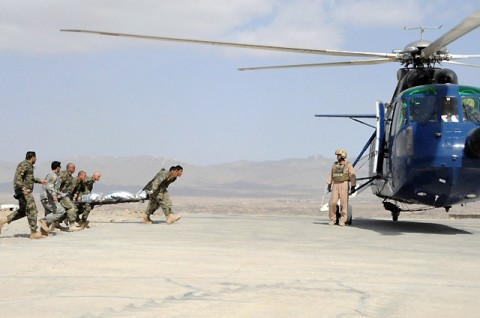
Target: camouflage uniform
54, 211
24, 181
66, 187
158, 194
84, 188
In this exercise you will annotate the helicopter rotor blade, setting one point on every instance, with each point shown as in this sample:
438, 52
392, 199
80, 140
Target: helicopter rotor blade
464, 56
241, 45
344, 63
467, 25
462, 64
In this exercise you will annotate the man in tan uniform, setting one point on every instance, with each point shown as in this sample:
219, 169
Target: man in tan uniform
337, 181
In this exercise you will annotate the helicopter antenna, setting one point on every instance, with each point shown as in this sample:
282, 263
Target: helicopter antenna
422, 29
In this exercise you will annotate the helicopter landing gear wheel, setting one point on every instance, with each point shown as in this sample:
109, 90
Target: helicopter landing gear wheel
349, 215
392, 207
395, 216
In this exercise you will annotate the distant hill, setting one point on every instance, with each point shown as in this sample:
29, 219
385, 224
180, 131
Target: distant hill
291, 177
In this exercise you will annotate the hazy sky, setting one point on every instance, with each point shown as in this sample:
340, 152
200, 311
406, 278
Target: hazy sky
67, 94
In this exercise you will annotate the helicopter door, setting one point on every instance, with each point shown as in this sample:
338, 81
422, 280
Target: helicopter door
380, 138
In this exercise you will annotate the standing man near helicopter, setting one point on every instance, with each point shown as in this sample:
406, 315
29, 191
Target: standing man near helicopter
337, 182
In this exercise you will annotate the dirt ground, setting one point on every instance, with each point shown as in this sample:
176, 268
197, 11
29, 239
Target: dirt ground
245, 257
366, 208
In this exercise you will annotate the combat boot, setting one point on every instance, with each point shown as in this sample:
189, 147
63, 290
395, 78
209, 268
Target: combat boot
3, 221
172, 218
73, 228
84, 224
56, 226
44, 228
146, 219
52, 226
36, 235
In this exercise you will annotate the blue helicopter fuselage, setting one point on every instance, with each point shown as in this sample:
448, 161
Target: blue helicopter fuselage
430, 152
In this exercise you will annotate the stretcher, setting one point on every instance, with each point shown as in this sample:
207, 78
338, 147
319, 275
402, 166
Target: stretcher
112, 198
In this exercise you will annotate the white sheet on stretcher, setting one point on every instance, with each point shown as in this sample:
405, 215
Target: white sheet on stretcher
115, 196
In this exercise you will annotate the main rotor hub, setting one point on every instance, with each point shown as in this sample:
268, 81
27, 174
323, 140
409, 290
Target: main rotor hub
412, 55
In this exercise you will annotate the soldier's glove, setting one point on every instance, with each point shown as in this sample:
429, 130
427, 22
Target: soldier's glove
352, 190
329, 188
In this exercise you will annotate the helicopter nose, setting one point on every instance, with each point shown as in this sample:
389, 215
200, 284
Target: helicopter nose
473, 143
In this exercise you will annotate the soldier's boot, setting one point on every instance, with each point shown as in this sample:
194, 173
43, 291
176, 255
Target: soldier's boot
44, 228
36, 235
3, 221
146, 218
84, 224
73, 227
56, 226
171, 218
52, 226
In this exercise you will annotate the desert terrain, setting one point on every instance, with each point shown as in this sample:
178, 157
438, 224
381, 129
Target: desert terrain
248, 245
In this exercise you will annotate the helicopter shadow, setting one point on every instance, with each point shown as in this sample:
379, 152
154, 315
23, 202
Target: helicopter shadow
389, 227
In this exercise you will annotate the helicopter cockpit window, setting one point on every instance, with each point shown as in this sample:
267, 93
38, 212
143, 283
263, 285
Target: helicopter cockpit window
422, 109
471, 109
449, 109
402, 115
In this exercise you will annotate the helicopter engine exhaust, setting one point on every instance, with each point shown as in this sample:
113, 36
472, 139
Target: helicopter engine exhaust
472, 144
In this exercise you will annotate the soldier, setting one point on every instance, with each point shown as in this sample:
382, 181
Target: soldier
73, 194
66, 187
54, 211
84, 209
158, 194
337, 182
23, 186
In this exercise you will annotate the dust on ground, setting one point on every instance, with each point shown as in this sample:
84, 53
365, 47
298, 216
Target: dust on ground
369, 208
189, 205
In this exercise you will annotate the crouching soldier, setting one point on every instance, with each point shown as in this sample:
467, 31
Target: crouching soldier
54, 211
84, 208
66, 188
158, 194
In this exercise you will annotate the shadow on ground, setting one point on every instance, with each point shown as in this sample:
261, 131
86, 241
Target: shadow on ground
389, 227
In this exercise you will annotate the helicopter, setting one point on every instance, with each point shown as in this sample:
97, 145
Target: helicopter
425, 148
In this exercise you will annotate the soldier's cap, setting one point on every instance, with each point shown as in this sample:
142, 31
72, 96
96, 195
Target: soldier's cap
56, 164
